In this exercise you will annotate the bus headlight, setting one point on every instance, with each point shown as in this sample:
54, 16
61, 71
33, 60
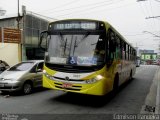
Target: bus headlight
95, 79
44, 72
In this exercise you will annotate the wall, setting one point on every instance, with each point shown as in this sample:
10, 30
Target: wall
9, 53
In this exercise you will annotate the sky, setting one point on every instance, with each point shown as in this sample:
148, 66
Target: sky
126, 16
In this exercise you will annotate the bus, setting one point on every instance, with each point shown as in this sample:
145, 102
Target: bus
86, 56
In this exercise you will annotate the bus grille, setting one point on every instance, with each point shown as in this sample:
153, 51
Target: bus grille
74, 80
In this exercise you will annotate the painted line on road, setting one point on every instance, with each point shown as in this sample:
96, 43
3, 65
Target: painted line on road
158, 92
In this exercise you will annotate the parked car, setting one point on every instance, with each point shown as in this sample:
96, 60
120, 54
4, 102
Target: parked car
23, 77
155, 62
3, 66
138, 61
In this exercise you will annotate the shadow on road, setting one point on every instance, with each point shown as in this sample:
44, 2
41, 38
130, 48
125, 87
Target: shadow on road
19, 93
84, 100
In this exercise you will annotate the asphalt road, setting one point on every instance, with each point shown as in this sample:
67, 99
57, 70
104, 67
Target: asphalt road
129, 100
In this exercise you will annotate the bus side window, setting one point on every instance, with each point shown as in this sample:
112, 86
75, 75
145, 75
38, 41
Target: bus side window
112, 45
118, 48
126, 51
123, 50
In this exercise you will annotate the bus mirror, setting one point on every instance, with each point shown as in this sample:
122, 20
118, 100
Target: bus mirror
43, 40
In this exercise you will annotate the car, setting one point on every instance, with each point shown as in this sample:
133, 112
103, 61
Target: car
155, 62
3, 66
23, 77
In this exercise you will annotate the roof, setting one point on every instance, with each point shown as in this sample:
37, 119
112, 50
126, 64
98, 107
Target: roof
35, 61
9, 16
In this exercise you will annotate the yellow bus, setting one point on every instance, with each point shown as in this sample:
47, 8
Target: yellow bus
86, 56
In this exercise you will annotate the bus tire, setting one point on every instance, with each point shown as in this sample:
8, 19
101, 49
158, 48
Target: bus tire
130, 76
116, 84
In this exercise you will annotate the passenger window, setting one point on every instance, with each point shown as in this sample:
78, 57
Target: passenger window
111, 45
40, 67
33, 70
118, 48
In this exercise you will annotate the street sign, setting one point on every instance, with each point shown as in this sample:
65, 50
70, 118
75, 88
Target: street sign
9, 35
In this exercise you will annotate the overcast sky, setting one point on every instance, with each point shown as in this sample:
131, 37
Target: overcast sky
127, 16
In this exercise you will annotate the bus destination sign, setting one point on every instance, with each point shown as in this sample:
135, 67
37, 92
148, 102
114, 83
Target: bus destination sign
75, 25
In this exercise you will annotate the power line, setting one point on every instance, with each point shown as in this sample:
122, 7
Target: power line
89, 8
87, 5
142, 9
71, 2
134, 35
147, 12
42, 15
157, 0
152, 17
93, 11
152, 13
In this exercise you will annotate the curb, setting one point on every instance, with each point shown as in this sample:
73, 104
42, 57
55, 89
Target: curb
158, 93
152, 100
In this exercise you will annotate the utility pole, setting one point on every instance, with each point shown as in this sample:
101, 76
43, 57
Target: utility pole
18, 17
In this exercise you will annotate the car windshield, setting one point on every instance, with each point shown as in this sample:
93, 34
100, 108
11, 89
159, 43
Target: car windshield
81, 50
22, 66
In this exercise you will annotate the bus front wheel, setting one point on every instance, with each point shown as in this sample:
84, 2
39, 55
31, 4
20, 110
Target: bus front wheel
116, 84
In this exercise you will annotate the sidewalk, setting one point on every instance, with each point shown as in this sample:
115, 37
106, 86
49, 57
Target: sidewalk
152, 101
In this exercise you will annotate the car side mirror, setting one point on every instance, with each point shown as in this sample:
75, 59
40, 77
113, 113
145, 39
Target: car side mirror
2, 69
39, 70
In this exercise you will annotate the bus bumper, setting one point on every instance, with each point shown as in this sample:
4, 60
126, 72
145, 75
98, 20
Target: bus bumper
101, 87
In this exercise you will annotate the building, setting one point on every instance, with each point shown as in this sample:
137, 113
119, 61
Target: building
10, 45
146, 51
148, 58
31, 26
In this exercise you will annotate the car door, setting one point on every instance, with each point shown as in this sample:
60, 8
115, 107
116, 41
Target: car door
38, 76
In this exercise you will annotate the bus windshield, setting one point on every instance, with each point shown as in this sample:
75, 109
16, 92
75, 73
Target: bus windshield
76, 49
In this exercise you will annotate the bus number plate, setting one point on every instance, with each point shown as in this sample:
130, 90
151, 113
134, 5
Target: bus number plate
66, 85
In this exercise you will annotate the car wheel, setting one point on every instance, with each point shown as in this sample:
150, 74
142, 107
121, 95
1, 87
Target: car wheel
27, 88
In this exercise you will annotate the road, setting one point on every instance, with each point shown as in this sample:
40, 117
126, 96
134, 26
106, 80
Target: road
129, 100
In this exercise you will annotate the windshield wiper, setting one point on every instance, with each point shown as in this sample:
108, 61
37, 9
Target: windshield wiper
83, 38
65, 43
76, 44
86, 35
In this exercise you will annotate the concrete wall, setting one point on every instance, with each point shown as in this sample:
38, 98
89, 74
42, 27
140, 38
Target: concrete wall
9, 52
